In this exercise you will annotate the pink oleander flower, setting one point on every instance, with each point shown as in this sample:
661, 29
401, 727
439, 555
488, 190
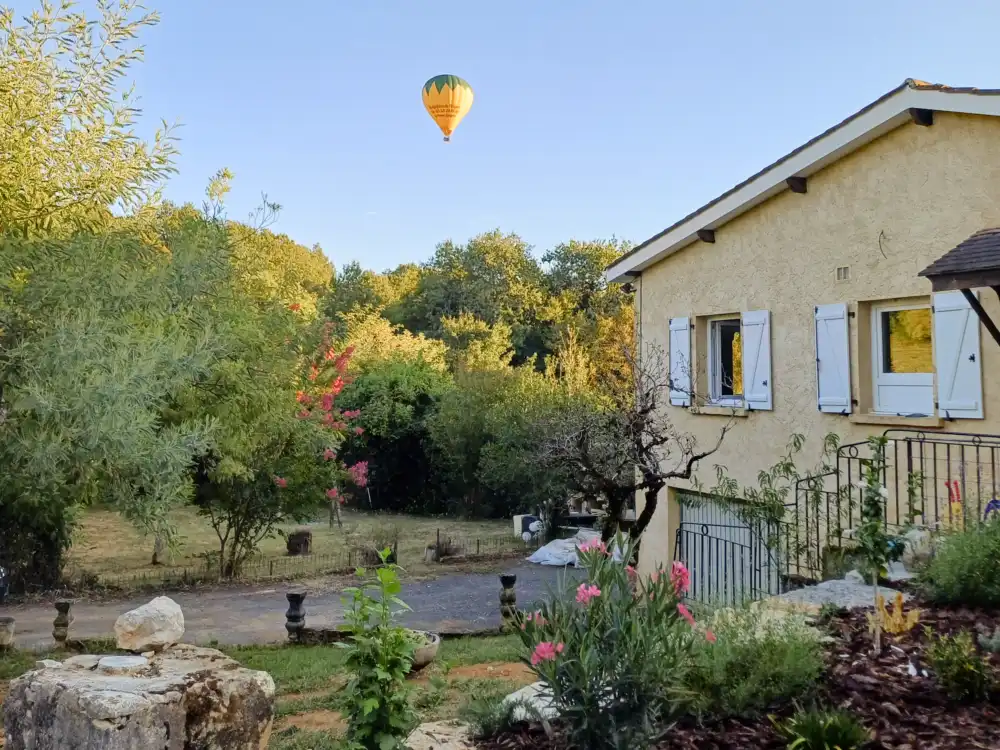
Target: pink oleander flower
329, 454
710, 636
630, 571
303, 414
686, 614
585, 593
546, 651
535, 617
359, 473
358, 430
332, 493
680, 578
594, 545
280, 481
326, 403
352, 413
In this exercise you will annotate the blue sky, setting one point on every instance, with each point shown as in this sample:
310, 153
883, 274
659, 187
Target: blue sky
588, 121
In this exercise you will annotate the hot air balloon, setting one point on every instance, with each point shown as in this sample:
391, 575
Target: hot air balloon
447, 100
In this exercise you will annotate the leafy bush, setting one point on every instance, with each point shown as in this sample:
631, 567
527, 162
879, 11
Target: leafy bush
612, 650
959, 668
823, 730
758, 659
396, 399
379, 657
964, 569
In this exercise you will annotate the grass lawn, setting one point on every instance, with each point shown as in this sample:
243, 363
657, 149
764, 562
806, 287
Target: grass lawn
108, 546
310, 680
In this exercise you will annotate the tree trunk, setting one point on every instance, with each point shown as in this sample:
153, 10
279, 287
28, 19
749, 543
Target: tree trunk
159, 550
652, 498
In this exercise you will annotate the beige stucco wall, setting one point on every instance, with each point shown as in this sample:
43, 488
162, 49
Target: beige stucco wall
923, 189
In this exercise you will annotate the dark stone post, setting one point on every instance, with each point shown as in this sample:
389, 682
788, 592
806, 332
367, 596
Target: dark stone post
295, 617
508, 600
60, 625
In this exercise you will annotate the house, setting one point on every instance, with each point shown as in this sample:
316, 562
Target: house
793, 303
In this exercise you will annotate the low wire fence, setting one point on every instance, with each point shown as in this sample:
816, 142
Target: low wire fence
260, 569
483, 547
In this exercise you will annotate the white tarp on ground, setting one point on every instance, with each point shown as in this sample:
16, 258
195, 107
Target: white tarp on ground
563, 552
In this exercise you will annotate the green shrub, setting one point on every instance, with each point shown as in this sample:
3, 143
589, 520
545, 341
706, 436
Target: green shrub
964, 570
379, 656
612, 650
816, 729
959, 668
759, 658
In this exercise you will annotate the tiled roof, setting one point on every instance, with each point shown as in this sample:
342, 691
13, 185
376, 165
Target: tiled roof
913, 83
981, 252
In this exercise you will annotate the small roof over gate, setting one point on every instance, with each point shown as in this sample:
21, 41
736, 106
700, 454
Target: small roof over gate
973, 263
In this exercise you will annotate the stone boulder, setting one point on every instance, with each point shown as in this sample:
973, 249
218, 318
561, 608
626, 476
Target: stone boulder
151, 627
183, 697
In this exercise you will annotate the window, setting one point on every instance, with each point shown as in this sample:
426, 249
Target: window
925, 358
903, 359
733, 362
725, 362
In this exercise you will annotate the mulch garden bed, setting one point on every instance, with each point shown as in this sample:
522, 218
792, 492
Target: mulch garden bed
905, 712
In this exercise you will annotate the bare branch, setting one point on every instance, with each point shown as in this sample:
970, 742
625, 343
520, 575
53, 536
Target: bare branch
633, 447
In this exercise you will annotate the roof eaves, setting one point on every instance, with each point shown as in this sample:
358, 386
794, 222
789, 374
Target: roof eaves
621, 264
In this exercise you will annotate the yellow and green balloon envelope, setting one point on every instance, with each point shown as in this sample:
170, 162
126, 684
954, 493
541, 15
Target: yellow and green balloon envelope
447, 100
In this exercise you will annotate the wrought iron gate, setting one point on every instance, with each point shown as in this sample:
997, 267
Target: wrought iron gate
730, 560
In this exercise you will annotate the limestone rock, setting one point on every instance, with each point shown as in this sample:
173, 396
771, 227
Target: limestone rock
532, 702
151, 627
83, 661
48, 664
919, 547
440, 735
185, 697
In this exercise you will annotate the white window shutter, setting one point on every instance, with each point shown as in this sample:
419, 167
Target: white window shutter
680, 361
833, 359
756, 344
957, 360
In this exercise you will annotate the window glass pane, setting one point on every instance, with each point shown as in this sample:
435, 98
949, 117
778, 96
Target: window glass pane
731, 358
906, 341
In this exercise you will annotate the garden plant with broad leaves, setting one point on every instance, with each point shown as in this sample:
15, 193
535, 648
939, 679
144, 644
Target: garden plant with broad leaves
379, 656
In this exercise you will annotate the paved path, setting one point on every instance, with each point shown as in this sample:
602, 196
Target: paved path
242, 615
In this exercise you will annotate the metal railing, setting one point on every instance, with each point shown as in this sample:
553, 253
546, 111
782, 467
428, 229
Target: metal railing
727, 572
938, 480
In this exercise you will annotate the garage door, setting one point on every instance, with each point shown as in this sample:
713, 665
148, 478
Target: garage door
729, 559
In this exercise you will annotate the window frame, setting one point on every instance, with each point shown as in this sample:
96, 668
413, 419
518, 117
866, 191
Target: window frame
715, 362
890, 379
